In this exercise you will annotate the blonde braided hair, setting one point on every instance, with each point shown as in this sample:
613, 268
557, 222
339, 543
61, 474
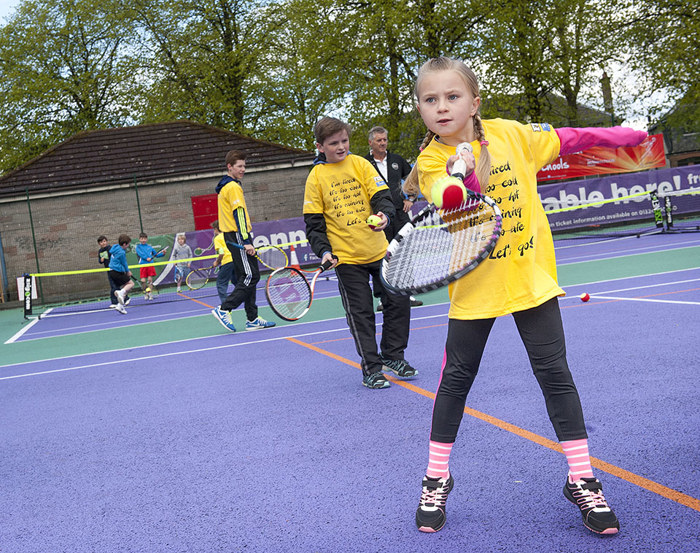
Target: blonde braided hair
483, 166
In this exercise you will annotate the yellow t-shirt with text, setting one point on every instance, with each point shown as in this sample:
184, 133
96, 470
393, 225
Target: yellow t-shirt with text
521, 271
342, 192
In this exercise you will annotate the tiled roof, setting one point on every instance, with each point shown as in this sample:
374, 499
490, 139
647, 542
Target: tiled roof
145, 152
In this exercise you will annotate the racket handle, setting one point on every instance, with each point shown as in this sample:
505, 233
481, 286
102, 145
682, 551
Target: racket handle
326, 265
460, 166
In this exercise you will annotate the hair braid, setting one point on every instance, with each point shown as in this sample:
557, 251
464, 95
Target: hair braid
483, 166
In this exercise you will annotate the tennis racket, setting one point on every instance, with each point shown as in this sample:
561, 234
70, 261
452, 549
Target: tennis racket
272, 257
199, 251
439, 246
290, 294
198, 278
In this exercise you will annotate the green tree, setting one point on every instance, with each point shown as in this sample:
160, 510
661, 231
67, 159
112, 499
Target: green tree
198, 57
63, 64
302, 74
393, 40
578, 53
666, 39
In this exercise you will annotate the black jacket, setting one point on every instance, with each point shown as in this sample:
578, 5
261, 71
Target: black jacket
397, 170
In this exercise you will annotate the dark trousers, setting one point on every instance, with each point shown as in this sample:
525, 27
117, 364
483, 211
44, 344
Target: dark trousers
542, 332
113, 287
225, 275
247, 276
356, 295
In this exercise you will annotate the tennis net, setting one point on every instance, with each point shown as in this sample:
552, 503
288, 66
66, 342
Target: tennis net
69, 292
647, 212
82, 291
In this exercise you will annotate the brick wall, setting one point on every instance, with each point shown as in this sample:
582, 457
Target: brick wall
66, 227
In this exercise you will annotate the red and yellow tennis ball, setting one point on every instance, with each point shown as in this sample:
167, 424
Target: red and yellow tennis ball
374, 221
585, 297
448, 193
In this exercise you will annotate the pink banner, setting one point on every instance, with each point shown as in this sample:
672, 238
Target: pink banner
602, 161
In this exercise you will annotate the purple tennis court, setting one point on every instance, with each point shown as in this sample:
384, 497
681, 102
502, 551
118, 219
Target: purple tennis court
162, 431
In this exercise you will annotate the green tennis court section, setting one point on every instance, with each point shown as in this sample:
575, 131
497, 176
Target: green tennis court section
162, 431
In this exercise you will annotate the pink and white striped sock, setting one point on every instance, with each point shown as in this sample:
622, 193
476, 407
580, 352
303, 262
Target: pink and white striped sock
577, 456
438, 460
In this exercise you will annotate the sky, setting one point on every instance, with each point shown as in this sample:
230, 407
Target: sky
7, 7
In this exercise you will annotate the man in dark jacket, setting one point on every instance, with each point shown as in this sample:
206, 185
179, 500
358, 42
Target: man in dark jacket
393, 169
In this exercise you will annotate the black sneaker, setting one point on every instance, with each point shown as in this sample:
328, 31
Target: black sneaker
430, 516
399, 367
375, 381
380, 307
587, 493
415, 302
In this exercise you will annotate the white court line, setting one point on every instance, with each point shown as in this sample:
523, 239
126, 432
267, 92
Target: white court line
566, 289
648, 286
140, 317
631, 288
597, 297
582, 244
627, 255
172, 354
108, 325
19, 334
592, 282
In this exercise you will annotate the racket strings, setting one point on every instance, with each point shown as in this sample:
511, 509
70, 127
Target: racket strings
289, 293
197, 278
272, 257
442, 246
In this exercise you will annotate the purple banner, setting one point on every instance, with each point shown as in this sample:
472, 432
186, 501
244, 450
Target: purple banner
577, 193
285, 231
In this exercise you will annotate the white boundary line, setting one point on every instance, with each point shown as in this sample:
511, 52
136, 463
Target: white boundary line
629, 254
566, 288
175, 353
19, 334
620, 298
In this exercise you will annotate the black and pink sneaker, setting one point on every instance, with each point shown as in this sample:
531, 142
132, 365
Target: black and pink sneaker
597, 515
430, 516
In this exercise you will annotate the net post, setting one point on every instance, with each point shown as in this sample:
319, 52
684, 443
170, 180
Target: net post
27, 295
656, 207
668, 206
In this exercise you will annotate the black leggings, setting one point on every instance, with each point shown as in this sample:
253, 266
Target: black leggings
542, 333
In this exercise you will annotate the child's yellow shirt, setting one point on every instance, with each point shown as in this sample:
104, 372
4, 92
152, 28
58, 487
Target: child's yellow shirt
342, 192
521, 271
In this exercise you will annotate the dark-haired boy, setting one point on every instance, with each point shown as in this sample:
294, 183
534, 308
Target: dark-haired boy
103, 259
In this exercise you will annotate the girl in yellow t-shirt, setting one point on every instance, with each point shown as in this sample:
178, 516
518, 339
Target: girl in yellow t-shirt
518, 278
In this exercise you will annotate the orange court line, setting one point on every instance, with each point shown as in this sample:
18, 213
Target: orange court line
194, 300
621, 473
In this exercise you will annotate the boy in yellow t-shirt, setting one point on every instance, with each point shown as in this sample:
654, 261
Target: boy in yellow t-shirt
234, 222
342, 191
